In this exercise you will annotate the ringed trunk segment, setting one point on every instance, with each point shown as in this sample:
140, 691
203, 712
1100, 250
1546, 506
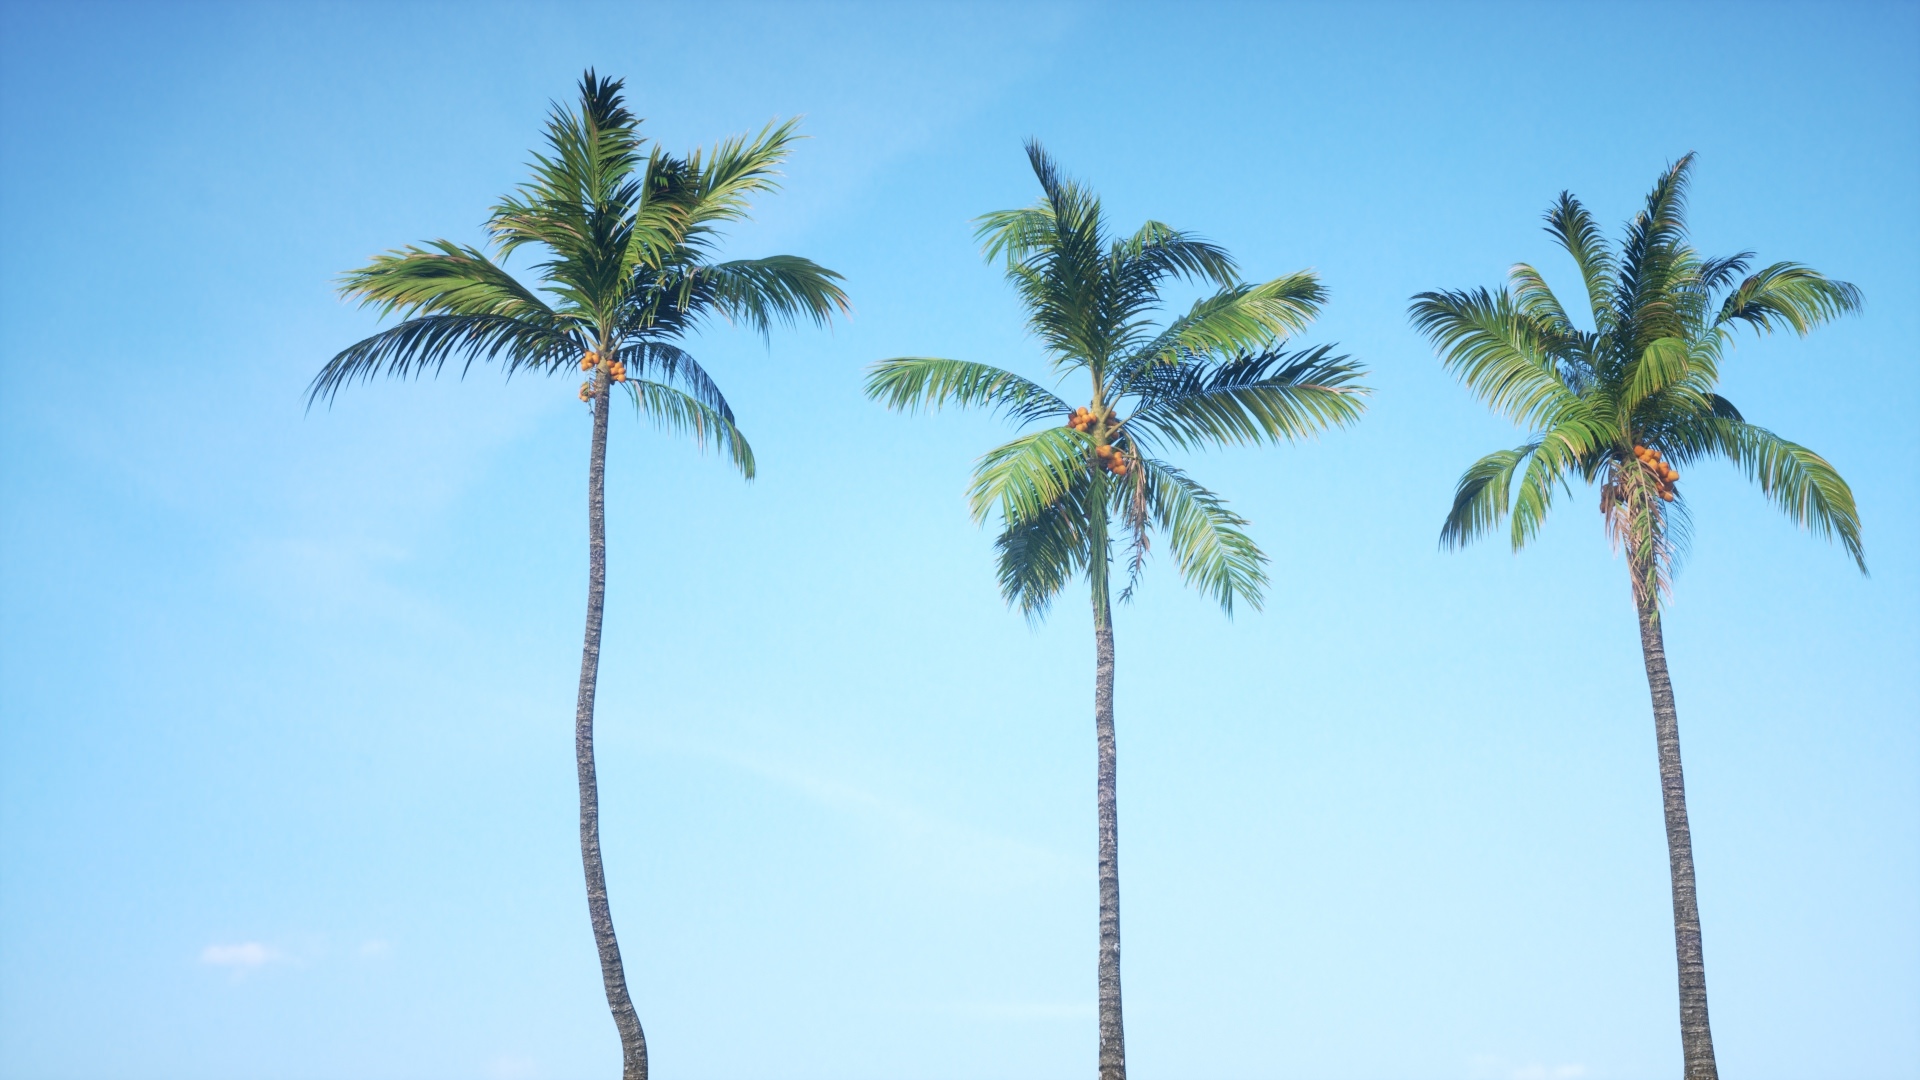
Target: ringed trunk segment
633, 1042
1113, 1048
1696, 1035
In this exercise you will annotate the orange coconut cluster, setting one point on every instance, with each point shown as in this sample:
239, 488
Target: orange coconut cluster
1666, 474
616, 372
1113, 460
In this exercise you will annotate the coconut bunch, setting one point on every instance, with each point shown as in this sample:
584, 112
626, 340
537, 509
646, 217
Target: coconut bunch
1665, 474
616, 372
1114, 461
1082, 419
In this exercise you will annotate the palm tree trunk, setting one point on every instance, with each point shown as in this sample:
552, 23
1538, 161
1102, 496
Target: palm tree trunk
1696, 1038
633, 1042
1113, 1042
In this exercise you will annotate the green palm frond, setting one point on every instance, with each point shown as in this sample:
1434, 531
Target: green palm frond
909, 383
1157, 251
442, 279
1573, 228
1788, 295
426, 344
781, 289
1209, 544
1038, 556
676, 367
1266, 397
1025, 477
673, 410
1241, 319
1507, 359
1802, 483
1482, 499
1664, 363
1550, 468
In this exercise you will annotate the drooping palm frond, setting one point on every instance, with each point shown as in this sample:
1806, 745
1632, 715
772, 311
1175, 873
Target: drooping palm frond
1209, 543
1483, 496
674, 410
909, 383
1027, 476
1803, 484
676, 367
1039, 556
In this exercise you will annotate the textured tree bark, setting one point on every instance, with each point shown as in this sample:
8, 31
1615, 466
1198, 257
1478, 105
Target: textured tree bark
633, 1042
1113, 1042
1696, 1038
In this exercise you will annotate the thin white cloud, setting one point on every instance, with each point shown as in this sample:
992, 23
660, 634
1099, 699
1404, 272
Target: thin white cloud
977, 857
374, 947
245, 956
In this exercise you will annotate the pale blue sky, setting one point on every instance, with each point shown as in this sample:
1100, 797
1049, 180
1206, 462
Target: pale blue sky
286, 786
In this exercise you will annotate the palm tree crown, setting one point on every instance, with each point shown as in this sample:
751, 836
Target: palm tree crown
628, 235
1630, 402
1215, 375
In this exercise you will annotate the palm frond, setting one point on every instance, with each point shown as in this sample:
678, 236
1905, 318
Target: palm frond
1157, 251
1240, 319
780, 289
1788, 295
1272, 396
424, 344
1506, 358
909, 383
676, 367
1573, 228
673, 410
1481, 500
443, 278
1802, 483
1025, 477
1038, 556
1212, 550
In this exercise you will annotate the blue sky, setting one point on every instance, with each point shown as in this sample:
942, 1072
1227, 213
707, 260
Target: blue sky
285, 775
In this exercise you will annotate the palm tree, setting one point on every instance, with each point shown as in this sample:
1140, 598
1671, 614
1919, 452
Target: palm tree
1214, 376
628, 239
1624, 406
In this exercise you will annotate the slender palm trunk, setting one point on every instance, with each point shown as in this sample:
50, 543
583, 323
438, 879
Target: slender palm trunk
633, 1042
1113, 1042
1696, 1038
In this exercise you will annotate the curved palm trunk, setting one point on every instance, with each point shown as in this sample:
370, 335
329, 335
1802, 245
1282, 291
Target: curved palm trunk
1696, 1038
1113, 1042
633, 1042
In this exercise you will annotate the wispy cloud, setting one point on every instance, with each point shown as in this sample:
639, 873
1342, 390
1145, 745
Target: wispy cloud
241, 958
975, 857
1494, 1067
